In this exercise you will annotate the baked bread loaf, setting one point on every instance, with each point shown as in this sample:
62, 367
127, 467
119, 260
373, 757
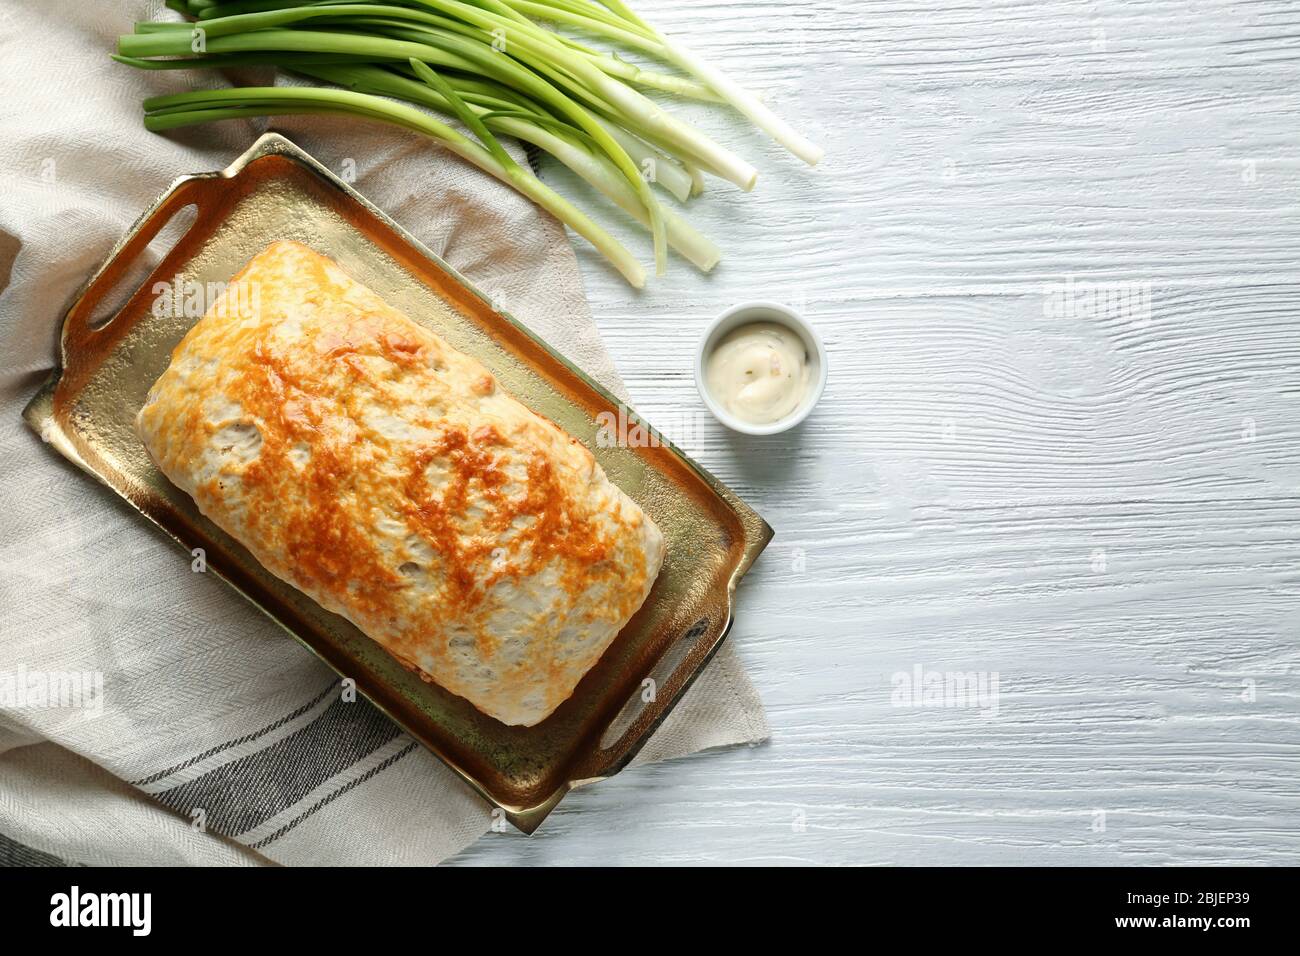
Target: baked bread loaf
386, 475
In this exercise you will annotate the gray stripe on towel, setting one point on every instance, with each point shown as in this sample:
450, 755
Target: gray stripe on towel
212, 752
245, 793
326, 801
13, 853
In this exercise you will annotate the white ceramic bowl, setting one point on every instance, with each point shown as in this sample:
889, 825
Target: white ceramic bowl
744, 314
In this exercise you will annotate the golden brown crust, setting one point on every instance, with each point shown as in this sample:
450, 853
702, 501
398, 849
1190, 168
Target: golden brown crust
385, 474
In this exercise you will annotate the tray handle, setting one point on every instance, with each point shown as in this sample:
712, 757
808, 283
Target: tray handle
656, 696
78, 325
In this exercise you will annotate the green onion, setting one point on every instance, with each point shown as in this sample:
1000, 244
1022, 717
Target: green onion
201, 106
492, 65
565, 144
744, 101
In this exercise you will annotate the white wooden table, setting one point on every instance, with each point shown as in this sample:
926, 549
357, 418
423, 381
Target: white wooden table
1100, 505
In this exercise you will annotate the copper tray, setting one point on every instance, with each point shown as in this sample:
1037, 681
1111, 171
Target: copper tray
277, 191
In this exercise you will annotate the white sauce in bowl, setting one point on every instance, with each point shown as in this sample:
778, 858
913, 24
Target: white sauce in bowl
758, 372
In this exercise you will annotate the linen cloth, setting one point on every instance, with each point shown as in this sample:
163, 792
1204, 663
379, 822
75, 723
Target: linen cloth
207, 706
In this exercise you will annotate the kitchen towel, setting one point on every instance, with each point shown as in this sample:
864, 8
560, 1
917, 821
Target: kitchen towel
219, 739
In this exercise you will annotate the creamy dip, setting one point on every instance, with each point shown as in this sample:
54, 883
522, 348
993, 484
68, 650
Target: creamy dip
758, 372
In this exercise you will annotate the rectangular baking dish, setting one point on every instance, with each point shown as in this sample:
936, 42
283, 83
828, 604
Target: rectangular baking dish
110, 356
